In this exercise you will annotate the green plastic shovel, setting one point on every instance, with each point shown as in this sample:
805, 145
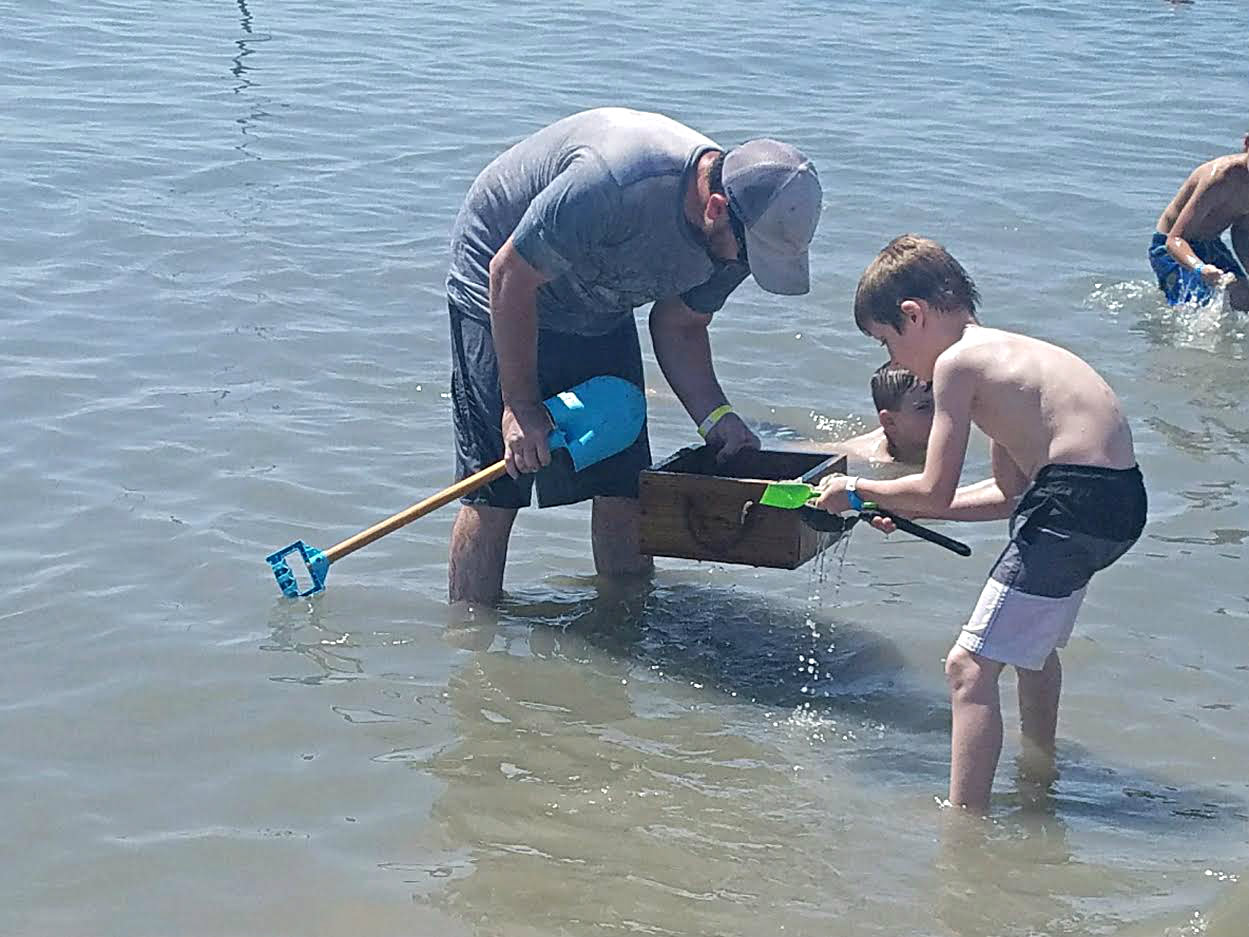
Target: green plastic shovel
793, 495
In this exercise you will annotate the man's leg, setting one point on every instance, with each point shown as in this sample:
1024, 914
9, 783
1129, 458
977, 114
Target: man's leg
614, 527
976, 740
1038, 715
478, 553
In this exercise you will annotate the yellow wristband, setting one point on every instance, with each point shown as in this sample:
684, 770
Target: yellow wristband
712, 418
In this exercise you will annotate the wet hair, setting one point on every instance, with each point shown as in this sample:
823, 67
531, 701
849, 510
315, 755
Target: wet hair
890, 383
911, 267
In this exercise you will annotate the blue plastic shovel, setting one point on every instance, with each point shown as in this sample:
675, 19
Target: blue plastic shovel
596, 419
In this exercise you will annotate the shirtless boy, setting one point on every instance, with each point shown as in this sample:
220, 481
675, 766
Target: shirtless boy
904, 407
1064, 471
1187, 251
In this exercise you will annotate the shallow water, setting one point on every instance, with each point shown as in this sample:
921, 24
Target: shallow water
223, 329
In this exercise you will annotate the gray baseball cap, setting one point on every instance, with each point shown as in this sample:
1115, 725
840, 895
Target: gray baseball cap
774, 191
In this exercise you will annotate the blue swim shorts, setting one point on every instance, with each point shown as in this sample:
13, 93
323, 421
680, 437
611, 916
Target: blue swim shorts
1182, 285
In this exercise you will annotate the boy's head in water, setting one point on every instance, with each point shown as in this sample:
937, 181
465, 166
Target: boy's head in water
904, 407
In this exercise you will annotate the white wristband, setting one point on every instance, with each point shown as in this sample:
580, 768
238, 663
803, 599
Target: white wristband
852, 494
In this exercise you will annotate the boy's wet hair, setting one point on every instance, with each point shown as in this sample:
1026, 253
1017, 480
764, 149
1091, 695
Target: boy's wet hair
890, 383
911, 267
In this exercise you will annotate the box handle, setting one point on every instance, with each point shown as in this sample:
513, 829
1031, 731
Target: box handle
702, 536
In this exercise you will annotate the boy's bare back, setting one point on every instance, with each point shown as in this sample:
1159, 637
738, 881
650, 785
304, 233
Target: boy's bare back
1216, 196
1039, 402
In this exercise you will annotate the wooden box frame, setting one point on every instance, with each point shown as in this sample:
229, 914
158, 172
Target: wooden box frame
693, 508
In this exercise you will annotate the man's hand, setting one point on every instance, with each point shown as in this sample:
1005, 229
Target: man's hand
525, 431
731, 435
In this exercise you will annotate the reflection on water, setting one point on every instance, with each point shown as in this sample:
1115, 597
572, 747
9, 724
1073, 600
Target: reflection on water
244, 85
244, 344
671, 738
1214, 328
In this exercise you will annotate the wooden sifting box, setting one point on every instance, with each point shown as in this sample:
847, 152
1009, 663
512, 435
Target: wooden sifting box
698, 510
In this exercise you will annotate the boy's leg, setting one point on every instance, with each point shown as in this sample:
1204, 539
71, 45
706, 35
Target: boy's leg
614, 531
1039, 691
976, 739
478, 553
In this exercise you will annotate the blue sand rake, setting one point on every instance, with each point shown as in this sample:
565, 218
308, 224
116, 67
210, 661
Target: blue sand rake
594, 420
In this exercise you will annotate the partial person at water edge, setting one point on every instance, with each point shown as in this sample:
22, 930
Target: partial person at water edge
1187, 253
559, 240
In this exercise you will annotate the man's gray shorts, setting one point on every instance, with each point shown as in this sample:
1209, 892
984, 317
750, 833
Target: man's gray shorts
564, 360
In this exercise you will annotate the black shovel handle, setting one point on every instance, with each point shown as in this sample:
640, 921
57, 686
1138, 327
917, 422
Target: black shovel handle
918, 530
835, 523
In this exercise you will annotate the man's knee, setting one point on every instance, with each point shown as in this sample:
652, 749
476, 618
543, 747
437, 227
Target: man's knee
484, 521
478, 552
480, 535
610, 512
616, 534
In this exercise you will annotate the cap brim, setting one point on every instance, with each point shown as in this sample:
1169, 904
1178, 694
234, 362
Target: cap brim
781, 272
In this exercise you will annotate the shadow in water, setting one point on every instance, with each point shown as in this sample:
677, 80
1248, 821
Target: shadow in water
759, 650
571, 752
580, 639
741, 643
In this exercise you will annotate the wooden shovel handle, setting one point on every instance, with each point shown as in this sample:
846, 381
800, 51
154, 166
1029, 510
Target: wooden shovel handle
420, 509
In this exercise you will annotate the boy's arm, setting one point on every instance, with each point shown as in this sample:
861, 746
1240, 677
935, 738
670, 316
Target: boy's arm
994, 498
867, 446
1205, 198
930, 493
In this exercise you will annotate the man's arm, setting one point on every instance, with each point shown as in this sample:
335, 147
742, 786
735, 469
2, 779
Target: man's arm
931, 492
683, 349
514, 286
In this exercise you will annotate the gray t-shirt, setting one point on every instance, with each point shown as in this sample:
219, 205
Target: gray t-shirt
596, 201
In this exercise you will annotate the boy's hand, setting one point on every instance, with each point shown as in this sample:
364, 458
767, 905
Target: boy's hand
831, 494
1212, 274
884, 524
833, 498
